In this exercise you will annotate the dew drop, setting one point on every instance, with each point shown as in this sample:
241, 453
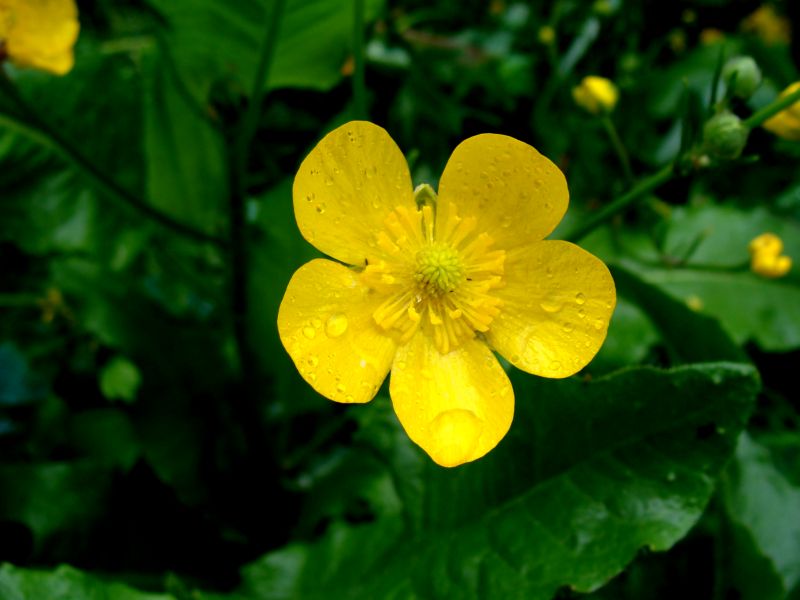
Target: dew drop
312, 361
349, 398
580, 298
316, 323
310, 197
341, 388
581, 313
328, 181
312, 377
550, 306
549, 272
336, 325
598, 324
567, 327
555, 365
309, 332
320, 208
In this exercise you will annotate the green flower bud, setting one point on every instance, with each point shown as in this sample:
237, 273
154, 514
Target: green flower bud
724, 136
742, 75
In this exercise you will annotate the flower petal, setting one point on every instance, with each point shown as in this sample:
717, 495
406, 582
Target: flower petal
325, 323
557, 304
517, 194
456, 406
42, 34
345, 188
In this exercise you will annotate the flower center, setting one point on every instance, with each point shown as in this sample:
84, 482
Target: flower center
434, 271
438, 269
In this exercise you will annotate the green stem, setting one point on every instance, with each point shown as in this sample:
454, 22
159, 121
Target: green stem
667, 173
617, 206
239, 161
42, 134
772, 109
619, 147
359, 84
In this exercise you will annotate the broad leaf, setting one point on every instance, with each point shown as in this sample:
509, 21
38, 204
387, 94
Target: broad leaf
64, 583
765, 509
589, 474
213, 39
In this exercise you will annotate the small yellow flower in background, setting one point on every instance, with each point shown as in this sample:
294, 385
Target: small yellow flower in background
435, 283
786, 124
546, 35
767, 24
596, 95
710, 36
765, 256
39, 33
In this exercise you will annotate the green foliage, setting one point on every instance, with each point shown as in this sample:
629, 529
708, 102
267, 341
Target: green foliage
155, 433
624, 462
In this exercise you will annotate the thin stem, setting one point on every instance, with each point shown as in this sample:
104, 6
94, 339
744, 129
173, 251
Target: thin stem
238, 225
619, 147
667, 173
772, 109
40, 132
359, 84
645, 187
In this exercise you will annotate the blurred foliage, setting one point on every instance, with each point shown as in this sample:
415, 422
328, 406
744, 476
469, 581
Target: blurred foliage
162, 458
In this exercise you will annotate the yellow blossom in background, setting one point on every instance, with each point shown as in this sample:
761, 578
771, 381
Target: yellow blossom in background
767, 24
428, 286
766, 258
710, 36
596, 94
786, 124
546, 35
39, 33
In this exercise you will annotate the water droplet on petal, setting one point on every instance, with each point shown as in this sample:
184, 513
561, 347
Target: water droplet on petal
581, 313
550, 306
568, 327
336, 325
309, 332
555, 365
312, 361
320, 208
328, 181
580, 298
341, 388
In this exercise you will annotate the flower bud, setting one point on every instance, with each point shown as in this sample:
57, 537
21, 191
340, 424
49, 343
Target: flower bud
742, 75
724, 136
596, 95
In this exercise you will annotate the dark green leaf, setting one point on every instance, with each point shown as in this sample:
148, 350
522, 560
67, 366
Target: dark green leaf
765, 509
64, 583
590, 473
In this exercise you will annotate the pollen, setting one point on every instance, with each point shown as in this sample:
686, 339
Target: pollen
439, 269
436, 272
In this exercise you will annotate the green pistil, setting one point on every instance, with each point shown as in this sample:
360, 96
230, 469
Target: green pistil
439, 269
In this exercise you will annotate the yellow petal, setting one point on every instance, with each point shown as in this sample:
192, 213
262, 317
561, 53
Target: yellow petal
347, 186
456, 406
42, 33
517, 195
325, 323
557, 304
784, 125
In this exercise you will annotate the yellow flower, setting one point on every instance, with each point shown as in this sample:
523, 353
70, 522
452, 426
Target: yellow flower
39, 33
765, 256
786, 124
767, 24
596, 94
434, 286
